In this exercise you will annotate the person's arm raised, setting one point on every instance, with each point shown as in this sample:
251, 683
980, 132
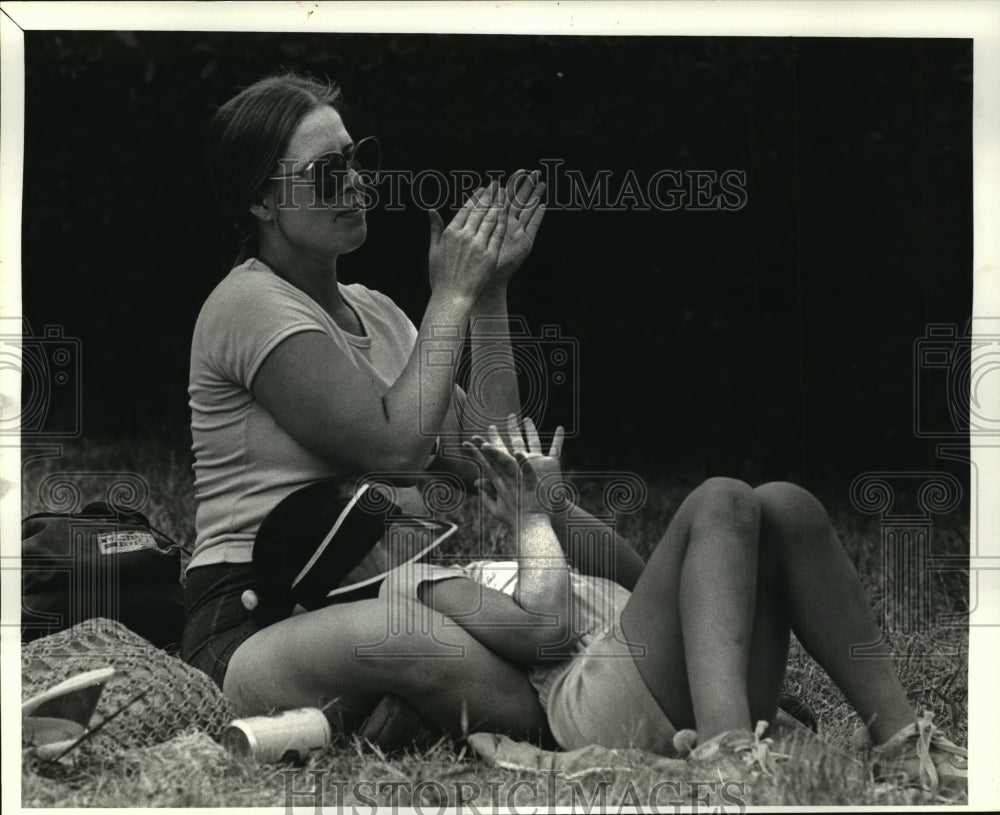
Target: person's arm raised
317, 395
493, 381
600, 551
589, 552
543, 581
493, 378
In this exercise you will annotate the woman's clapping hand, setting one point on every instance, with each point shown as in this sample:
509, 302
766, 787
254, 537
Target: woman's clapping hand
463, 256
524, 217
489, 238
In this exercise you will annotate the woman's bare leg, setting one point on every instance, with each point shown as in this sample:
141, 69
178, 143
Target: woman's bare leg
346, 653
825, 603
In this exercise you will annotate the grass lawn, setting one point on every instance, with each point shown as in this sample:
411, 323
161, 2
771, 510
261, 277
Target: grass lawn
155, 476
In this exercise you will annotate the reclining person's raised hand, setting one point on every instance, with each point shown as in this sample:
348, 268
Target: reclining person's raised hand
527, 449
515, 472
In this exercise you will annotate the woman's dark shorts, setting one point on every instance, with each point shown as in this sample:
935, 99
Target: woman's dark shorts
215, 620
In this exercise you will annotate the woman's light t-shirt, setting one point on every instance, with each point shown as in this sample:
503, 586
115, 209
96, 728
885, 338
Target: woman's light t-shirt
245, 463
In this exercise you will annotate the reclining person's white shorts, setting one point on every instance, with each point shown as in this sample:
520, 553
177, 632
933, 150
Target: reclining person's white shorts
594, 696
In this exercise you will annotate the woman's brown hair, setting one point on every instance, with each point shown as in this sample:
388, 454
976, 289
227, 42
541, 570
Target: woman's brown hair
249, 134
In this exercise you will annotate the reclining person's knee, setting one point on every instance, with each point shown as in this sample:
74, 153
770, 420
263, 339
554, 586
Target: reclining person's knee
728, 503
793, 508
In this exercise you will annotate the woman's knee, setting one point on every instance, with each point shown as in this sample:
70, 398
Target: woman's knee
729, 503
790, 507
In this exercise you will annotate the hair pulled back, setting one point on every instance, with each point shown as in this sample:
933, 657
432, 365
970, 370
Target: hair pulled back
249, 134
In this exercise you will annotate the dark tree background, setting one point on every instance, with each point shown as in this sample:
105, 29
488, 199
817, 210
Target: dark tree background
773, 341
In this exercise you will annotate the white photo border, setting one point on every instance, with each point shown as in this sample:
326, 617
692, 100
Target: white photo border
937, 18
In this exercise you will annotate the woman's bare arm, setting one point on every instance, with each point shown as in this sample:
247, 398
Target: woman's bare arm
493, 374
493, 390
329, 406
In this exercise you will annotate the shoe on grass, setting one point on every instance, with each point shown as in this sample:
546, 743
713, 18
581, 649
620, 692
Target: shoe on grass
920, 756
799, 709
735, 754
393, 725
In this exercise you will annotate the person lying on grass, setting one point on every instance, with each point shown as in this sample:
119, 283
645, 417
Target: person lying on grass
625, 653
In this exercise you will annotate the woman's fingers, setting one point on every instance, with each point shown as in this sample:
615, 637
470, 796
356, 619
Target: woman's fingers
476, 450
500, 225
523, 201
480, 207
462, 216
437, 225
555, 451
496, 214
535, 220
499, 472
521, 193
529, 191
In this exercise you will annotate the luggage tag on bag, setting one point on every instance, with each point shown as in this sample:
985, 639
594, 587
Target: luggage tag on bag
118, 543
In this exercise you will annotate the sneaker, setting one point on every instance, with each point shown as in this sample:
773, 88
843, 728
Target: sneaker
393, 725
735, 754
919, 755
800, 710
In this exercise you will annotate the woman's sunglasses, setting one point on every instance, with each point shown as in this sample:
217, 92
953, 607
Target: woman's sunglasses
328, 172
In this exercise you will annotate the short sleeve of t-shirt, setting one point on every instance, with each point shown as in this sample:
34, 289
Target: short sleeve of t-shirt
246, 318
245, 462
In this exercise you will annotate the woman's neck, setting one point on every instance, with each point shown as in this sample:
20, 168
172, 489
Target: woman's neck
318, 279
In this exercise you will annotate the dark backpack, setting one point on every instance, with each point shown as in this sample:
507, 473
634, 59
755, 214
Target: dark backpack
100, 562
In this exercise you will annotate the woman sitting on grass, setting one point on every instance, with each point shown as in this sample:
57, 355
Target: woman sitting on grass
695, 639
296, 378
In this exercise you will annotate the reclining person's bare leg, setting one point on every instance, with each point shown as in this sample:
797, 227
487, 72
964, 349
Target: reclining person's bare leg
693, 609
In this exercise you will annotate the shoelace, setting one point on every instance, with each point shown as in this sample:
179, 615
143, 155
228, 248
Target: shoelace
761, 752
925, 733
926, 736
757, 753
